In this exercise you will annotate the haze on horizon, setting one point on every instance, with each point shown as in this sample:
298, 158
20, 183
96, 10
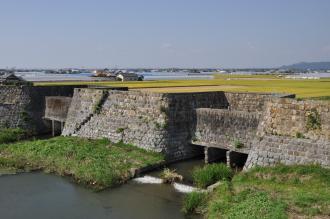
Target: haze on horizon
171, 33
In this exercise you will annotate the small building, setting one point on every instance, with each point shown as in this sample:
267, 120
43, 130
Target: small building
106, 74
129, 77
11, 79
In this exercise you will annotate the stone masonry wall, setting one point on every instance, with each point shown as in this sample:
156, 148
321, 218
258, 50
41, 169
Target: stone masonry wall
231, 130
292, 132
83, 105
160, 122
13, 101
251, 102
182, 119
24, 106
290, 117
271, 150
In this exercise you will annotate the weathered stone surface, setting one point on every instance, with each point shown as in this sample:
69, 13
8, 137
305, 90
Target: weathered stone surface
289, 117
24, 106
227, 129
271, 150
57, 108
160, 122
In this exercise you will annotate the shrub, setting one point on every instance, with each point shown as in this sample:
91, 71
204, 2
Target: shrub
210, 174
11, 135
193, 202
238, 144
120, 130
299, 135
170, 176
313, 120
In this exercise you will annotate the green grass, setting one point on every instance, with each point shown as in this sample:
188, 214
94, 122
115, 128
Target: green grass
194, 202
95, 163
321, 98
273, 192
210, 174
249, 204
236, 83
8, 135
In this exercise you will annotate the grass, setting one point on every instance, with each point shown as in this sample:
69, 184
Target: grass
210, 174
237, 83
97, 164
321, 98
194, 202
298, 191
249, 204
8, 135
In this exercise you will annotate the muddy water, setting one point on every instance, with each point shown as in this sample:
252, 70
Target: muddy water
39, 195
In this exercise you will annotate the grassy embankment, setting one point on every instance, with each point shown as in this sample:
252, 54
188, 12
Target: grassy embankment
97, 164
237, 83
11, 135
267, 192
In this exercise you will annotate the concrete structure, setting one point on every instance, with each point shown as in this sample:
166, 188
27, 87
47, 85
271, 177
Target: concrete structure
56, 110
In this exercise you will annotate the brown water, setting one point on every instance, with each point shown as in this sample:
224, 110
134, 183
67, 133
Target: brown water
39, 195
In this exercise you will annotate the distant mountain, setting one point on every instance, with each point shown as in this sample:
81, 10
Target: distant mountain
308, 66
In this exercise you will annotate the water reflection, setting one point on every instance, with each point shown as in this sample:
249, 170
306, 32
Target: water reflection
39, 195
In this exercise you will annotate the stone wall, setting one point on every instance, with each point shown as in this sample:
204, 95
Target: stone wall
164, 122
24, 106
181, 114
251, 102
292, 132
232, 130
13, 101
271, 150
160, 122
288, 117
82, 106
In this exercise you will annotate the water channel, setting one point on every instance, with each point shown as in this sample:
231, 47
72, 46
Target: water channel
39, 195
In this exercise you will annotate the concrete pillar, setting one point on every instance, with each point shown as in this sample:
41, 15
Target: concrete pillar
53, 128
61, 127
228, 153
206, 155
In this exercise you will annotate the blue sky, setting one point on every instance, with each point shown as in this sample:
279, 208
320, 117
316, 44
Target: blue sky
163, 33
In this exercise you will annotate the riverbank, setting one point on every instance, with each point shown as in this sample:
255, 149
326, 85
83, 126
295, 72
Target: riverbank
97, 164
268, 192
